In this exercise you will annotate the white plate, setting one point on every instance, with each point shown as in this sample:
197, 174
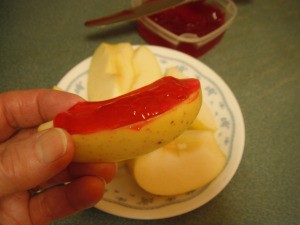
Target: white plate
123, 197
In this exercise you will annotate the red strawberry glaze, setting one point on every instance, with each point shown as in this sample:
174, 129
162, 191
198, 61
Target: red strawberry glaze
133, 107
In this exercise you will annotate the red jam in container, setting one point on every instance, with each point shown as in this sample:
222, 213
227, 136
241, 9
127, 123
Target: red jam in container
194, 27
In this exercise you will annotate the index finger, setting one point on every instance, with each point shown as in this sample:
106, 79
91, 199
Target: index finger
29, 108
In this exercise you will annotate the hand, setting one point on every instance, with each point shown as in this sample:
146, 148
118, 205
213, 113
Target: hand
31, 160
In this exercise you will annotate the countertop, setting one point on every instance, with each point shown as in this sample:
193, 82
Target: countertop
259, 59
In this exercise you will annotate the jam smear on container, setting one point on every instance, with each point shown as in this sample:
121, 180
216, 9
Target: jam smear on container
195, 17
136, 106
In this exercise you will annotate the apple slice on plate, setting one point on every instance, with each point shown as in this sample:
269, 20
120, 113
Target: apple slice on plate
189, 162
116, 69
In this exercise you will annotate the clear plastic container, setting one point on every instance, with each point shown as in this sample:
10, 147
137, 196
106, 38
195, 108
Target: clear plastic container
190, 43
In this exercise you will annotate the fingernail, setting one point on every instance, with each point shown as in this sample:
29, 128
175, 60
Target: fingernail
51, 145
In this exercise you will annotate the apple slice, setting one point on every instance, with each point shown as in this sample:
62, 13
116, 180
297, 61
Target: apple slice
174, 72
204, 120
132, 124
146, 67
102, 71
189, 162
125, 72
111, 72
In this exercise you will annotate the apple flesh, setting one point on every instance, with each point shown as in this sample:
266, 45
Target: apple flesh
205, 119
174, 72
110, 72
189, 162
146, 67
116, 69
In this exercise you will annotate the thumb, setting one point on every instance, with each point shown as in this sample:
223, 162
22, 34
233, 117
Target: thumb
28, 162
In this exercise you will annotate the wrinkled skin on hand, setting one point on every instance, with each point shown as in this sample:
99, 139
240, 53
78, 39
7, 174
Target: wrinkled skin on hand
31, 161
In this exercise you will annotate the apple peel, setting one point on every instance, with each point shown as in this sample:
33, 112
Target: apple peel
130, 140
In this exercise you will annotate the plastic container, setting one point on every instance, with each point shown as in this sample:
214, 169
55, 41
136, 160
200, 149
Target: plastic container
195, 44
